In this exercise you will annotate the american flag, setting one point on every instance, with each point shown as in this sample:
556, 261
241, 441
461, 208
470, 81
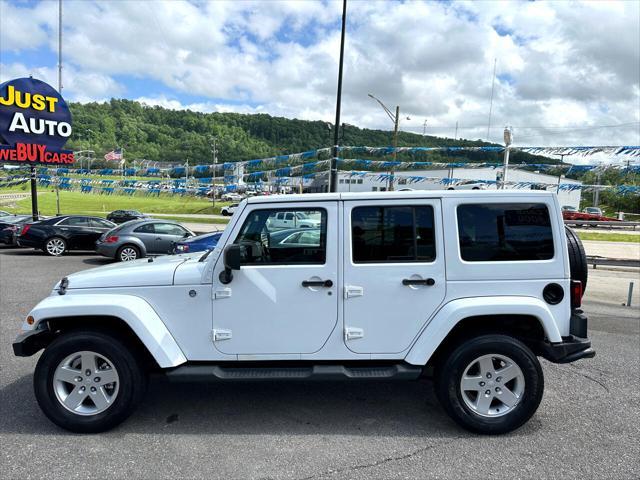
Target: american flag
114, 154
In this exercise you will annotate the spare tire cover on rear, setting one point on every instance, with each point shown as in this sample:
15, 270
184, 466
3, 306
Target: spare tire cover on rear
577, 258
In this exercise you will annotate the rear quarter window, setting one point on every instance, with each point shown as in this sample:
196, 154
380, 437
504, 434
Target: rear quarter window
504, 232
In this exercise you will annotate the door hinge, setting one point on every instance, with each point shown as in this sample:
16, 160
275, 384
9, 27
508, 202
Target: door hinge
222, 293
351, 291
218, 335
351, 333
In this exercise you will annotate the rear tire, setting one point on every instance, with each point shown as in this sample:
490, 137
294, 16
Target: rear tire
88, 359
55, 246
577, 258
490, 384
128, 253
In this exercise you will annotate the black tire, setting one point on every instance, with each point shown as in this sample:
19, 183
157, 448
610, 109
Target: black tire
577, 258
132, 381
133, 248
449, 374
50, 241
225, 213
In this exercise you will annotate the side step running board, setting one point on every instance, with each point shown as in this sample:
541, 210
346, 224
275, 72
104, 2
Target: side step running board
209, 373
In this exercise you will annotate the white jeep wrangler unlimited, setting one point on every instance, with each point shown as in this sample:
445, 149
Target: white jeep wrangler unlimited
467, 287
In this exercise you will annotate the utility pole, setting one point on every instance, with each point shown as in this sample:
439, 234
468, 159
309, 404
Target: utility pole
455, 136
395, 146
508, 139
333, 174
596, 192
213, 176
424, 127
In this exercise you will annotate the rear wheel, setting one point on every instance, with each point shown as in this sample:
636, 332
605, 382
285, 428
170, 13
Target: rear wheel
88, 382
55, 246
490, 384
128, 253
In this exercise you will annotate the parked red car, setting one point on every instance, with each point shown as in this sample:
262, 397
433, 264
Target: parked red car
588, 214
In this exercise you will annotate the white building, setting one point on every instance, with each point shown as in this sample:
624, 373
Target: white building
348, 182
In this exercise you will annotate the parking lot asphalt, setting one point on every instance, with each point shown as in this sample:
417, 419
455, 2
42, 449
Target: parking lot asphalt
587, 426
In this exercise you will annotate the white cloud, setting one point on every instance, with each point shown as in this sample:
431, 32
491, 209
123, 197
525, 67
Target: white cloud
560, 64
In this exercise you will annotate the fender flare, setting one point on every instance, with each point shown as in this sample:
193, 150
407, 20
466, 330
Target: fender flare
136, 242
450, 314
132, 310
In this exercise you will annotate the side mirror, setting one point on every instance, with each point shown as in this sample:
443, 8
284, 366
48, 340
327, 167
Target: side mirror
232, 257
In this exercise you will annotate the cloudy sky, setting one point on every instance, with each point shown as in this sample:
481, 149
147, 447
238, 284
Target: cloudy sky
567, 73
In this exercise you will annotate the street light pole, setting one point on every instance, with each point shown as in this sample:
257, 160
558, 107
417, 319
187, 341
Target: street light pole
395, 119
333, 174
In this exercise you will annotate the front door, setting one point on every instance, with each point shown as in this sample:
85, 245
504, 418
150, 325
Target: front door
284, 299
394, 272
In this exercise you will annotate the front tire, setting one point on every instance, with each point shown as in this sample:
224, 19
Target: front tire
88, 382
55, 246
490, 384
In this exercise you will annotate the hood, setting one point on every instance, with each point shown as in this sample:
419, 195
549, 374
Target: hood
139, 273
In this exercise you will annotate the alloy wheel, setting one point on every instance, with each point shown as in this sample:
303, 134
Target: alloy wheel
128, 254
86, 383
492, 385
55, 246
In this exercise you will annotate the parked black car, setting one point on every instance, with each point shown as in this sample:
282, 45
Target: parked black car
68, 232
121, 216
10, 227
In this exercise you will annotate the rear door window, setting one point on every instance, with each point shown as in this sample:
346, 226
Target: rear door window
393, 234
505, 232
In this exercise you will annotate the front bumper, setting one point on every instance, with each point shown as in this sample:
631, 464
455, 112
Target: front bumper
29, 342
574, 347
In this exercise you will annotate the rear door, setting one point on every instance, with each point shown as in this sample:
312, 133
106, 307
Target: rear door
76, 231
394, 272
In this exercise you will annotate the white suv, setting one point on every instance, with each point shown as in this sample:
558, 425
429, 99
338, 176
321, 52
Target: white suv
468, 288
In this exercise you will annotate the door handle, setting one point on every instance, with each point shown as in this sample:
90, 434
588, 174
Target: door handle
317, 283
158, 238
418, 281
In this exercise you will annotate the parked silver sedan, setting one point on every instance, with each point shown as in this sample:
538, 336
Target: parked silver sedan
141, 238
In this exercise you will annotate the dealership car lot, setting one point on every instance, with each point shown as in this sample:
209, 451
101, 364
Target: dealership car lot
587, 425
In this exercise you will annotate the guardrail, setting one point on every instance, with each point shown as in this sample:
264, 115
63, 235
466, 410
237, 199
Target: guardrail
612, 262
600, 223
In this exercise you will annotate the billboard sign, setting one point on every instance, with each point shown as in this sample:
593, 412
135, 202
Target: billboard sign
35, 123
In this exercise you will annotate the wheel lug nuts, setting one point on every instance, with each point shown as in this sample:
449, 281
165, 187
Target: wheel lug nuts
88, 373
488, 375
499, 379
82, 389
78, 379
498, 389
97, 379
482, 384
93, 389
488, 392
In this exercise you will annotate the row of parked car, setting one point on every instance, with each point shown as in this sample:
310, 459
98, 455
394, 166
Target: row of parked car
126, 235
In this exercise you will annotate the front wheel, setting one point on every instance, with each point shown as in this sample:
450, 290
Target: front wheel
490, 384
88, 382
